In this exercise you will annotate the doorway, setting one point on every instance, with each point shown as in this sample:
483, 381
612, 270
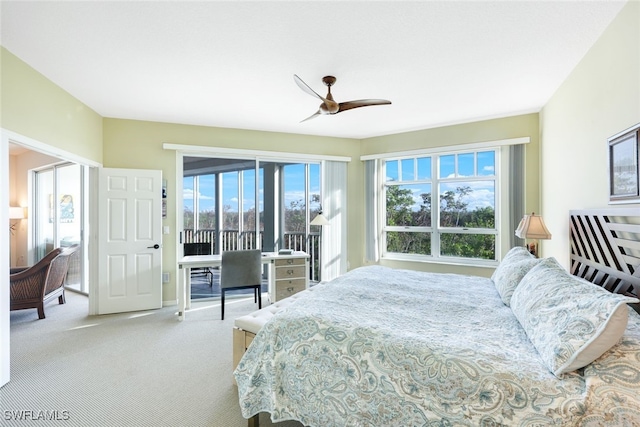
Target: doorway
53, 194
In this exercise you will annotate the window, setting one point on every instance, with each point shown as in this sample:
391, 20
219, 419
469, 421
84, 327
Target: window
441, 206
199, 201
188, 193
243, 204
206, 196
624, 169
301, 187
235, 208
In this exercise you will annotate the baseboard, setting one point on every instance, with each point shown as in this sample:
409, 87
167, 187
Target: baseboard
169, 303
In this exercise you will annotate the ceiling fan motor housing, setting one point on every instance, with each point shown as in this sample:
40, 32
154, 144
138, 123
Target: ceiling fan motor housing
329, 80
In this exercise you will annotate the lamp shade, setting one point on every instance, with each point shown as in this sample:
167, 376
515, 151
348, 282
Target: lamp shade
319, 220
16, 212
532, 227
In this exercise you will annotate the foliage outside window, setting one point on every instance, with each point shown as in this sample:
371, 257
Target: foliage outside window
459, 222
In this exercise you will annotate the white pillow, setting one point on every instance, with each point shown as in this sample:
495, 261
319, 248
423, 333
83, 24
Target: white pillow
513, 267
571, 322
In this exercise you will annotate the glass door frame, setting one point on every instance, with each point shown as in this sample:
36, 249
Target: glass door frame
81, 206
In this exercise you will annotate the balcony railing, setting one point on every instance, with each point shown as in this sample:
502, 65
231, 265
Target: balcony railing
233, 240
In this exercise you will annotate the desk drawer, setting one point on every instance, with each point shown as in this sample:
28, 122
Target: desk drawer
292, 272
289, 261
286, 288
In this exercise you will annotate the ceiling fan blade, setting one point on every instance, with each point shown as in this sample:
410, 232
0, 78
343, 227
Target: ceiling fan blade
305, 87
349, 105
314, 115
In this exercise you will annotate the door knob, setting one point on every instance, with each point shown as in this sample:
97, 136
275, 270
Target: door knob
156, 246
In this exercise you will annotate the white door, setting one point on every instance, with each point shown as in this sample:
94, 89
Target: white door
129, 240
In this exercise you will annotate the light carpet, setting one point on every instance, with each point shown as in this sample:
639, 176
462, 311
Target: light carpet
131, 369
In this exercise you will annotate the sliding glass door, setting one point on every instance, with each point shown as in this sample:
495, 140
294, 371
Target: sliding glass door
252, 204
58, 219
301, 203
43, 214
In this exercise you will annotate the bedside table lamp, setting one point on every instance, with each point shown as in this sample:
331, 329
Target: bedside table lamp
532, 227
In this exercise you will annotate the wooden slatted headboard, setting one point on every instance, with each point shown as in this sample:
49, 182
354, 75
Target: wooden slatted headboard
605, 249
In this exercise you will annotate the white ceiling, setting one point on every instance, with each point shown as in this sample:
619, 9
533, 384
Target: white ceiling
231, 64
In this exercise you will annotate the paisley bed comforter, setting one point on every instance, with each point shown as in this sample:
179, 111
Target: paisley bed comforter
384, 347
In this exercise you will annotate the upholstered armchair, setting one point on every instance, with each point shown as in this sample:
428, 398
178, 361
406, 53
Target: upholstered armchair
32, 287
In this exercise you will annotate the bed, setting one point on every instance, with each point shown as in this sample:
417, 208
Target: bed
534, 345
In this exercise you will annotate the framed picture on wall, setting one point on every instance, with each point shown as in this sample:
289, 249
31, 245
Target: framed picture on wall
624, 158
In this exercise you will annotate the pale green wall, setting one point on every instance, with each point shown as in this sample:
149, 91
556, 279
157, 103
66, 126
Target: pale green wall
600, 98
481, 131
138, 144
31, 105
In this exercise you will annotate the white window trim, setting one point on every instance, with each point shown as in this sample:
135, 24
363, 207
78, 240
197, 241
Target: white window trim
474, 146
501, 163
238, 153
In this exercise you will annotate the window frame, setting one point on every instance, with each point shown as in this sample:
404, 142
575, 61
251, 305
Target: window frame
631, 138
435, 230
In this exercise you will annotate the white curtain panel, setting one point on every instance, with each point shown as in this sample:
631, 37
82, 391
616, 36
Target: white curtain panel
371, 252
516, 191
334, 207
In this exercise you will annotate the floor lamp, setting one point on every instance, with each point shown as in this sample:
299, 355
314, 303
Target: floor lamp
16, 213
320, 220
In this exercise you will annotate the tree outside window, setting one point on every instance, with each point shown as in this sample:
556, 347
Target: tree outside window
459, 223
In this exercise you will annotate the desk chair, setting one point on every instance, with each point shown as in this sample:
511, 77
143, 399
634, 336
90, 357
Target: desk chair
241, 270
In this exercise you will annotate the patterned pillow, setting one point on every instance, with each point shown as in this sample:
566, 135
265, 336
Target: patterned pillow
570, 321
515, 264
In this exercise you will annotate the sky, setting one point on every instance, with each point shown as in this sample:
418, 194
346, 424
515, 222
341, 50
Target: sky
417, 173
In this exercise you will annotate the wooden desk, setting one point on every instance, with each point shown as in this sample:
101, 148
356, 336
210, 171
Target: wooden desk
283, 275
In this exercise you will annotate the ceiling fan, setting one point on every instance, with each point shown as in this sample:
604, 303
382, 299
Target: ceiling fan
329, 106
